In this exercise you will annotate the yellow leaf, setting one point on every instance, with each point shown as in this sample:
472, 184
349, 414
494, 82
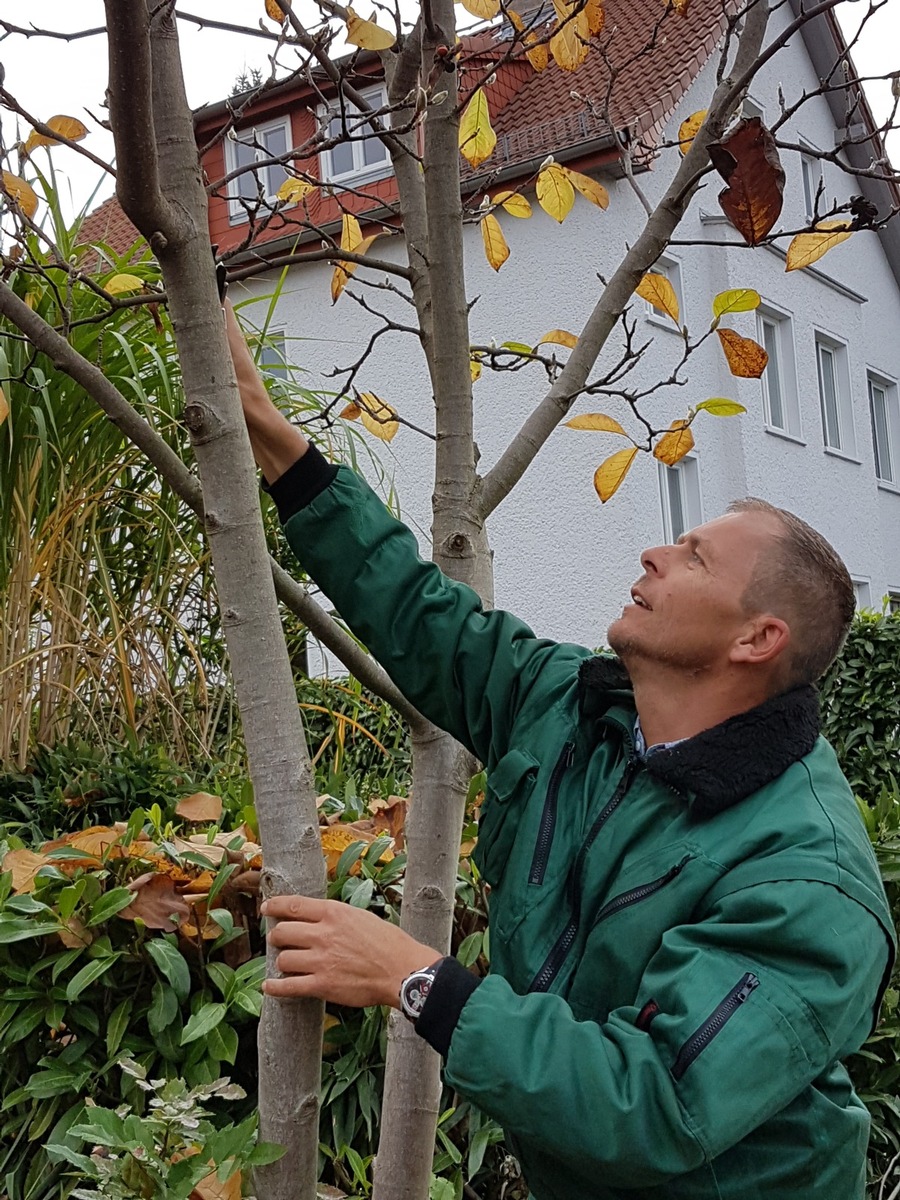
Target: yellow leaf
351, 413
680, 7
555, 192
118, 284
67, 127
274, 12
4, 407
485, 9
495, 247
597, 423
657, 290
807, 248
474, 370
720, 407
569, 44
589, 188
561, 337
674, 445
746, 358
688, 128
476, 136
292, 191
596, 17
352, 240
366, 34
201, 806
23, 193
513, 203
536, 51
379, 418
736, 300
609, 475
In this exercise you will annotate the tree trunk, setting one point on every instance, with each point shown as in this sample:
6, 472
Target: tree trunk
160, 187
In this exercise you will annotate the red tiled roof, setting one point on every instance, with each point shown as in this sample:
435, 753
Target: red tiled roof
108, 224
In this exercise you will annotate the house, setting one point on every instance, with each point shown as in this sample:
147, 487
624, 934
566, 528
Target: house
821, 434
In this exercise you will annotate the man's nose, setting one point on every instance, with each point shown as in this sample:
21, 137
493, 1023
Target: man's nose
653, 559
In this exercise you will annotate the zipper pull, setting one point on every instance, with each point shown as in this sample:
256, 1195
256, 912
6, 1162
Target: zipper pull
750, 985
569, 754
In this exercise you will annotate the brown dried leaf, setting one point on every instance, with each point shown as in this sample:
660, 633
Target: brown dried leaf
336, 839
674, 445
748, 162
156, 902
609, 475
351, 412
560, 337
596, 17
746, 358
201, 806
211, 1188
75, 935
274, 12
24, 865
97, 841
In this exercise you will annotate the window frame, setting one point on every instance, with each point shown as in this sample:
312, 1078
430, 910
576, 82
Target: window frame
810, 163
751, 108
670, 267
236, 211
892, 599
862, 590
361, 170
888, 387
687, 470
783, 325
846, 429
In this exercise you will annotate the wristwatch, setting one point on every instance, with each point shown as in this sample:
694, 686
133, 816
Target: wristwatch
414, 991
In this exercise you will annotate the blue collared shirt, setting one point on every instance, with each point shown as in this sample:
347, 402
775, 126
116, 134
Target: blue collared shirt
642, 750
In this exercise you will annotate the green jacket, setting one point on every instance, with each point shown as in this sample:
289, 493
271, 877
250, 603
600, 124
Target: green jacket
684, 947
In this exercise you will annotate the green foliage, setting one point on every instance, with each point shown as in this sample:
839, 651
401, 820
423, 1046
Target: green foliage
167, 1151
861, 704
861, 718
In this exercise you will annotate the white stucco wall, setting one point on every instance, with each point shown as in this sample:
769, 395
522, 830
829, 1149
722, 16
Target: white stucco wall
562, 561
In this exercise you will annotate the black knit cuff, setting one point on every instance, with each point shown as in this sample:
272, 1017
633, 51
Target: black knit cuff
452, 987
301, 483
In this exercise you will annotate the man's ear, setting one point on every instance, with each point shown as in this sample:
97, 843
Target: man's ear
765, 639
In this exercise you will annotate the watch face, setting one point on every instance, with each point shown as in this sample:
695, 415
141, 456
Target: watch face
415, 992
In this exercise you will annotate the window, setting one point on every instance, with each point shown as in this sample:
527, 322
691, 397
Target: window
272, 358
834, 395
893, 601
250, 146
749, 108
863, 591
679, 493
671, 269
811, 169
363, 154
781, 405
885, 417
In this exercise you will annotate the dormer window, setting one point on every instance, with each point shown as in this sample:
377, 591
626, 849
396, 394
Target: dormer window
363, 155
247, 147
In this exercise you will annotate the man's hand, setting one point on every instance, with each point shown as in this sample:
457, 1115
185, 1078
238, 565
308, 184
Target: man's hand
335, 952
276, 443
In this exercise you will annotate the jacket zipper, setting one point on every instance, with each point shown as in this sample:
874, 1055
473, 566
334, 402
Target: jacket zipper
548, 815
563, 944
713, 1024
639, 893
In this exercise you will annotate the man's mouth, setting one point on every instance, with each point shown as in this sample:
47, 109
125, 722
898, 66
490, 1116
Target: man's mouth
639, 600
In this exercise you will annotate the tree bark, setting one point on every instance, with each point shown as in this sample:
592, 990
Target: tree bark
161, 190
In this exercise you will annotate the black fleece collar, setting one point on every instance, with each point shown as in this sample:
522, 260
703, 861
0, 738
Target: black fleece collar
723, 765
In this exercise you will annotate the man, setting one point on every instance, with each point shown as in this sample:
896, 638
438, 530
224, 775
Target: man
689, 930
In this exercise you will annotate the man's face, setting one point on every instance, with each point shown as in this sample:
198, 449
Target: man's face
686, 609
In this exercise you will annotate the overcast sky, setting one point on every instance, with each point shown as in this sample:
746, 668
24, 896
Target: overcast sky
49, 76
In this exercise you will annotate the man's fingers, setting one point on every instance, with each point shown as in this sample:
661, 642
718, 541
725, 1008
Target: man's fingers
290, 933
294, 986
294, 962
295, 908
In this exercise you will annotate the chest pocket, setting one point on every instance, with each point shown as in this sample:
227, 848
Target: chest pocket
509, 787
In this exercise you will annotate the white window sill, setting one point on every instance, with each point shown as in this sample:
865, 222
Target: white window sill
842, 454
884, 486
371, 174
783, 433
663, 322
